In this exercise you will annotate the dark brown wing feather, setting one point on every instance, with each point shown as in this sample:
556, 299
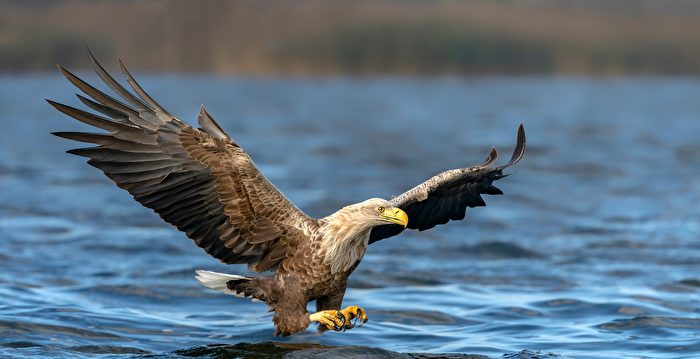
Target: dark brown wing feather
446, 196
201, 181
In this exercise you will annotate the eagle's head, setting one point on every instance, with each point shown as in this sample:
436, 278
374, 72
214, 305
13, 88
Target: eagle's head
377, 211
346, 233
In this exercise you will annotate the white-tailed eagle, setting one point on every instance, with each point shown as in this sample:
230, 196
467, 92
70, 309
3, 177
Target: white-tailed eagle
201, 181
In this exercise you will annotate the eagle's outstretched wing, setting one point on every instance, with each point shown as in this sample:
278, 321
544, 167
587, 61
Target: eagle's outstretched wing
199, 180
446, 196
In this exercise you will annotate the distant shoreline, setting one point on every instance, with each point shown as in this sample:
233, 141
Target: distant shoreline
307, 37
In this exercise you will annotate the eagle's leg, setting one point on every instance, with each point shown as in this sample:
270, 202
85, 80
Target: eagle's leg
290, 321
289, 305
340, 320
329, 319
330, 302
329, 314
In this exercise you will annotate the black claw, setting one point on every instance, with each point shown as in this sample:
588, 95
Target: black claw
346, 320
339, 328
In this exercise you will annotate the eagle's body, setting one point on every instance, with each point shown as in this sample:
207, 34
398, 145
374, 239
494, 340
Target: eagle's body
205, 184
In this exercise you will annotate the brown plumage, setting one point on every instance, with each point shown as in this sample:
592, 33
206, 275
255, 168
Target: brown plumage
205, 184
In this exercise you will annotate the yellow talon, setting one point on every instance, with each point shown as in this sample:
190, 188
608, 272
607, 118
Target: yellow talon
340, 320
331, 319
354, 312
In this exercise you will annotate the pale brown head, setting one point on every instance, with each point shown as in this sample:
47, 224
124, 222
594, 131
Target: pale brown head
377, 211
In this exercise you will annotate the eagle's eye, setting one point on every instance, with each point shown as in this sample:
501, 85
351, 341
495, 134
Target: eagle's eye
381, 209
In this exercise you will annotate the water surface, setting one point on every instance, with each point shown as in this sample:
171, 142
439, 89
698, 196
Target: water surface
593, 251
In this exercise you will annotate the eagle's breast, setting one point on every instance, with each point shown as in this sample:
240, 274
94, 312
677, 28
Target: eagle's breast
344, 242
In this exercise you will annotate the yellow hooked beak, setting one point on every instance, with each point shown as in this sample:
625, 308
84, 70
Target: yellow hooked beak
395, 215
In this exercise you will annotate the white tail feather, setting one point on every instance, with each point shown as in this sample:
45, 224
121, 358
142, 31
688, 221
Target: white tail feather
217, 281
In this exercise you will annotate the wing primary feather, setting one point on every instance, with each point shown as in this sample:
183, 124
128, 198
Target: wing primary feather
139, 90
115, 114
134, 176
97, 94
108, 140
116, 86
92, 119
132, 167
492, 190
493, 156
97, 138
520, 145
108, 154
477, 202
209, 125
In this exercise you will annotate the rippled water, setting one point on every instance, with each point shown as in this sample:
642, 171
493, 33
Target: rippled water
593, 252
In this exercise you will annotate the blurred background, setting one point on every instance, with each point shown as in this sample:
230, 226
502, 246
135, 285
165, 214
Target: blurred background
358, 37
592, 252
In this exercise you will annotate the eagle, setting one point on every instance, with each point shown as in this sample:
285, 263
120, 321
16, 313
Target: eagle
202, 182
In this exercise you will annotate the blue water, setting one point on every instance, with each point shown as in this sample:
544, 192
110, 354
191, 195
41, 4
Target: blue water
593, 251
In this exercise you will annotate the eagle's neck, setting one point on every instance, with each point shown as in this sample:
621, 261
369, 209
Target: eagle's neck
344, 239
